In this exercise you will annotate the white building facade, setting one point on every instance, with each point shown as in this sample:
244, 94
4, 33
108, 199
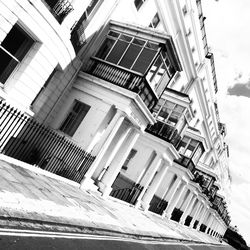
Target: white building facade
132, 87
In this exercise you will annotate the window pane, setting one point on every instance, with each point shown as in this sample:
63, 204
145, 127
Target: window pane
139, 42
7, 65
105, 48
113, 33
145, 59
125, 38
12, 50
130, 56
74, 118
117, 51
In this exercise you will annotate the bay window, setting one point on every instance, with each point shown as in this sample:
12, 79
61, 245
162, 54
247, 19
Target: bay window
191, 148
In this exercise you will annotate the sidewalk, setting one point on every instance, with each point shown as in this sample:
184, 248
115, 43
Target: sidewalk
34, 196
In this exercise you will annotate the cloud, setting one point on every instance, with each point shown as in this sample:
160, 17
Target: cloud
240, 89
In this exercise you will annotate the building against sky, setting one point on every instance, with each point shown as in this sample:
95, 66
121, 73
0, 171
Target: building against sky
130, 88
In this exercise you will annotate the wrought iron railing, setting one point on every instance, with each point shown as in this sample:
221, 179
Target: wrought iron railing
165, 132
23, 138
123, 78
158, 205
59, 8
186, 162
129, 195
78, 38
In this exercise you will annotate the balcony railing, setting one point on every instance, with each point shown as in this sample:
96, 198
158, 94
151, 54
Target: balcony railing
186, 162
23, 138
123, 78
165, 132
59, 8
129, 195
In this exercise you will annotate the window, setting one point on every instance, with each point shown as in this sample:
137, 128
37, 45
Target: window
168, 112
128, 51
155, 21
191, 148
162, 67
74, 118
13, 49
138, 3
129, 158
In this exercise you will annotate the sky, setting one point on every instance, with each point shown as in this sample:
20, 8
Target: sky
228, 33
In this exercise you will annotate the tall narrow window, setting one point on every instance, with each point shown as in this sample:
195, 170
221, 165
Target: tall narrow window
12, 51
155, 21
74, 118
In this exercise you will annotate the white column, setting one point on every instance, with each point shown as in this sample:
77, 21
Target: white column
156, 182
156, 163
196, 213
209, 222
202, 215
113, 128
176, 193
205, 217
189, 206
125, 144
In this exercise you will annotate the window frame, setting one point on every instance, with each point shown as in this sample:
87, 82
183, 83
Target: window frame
189, 141
144, 47
166, 120
23, 50
66, 126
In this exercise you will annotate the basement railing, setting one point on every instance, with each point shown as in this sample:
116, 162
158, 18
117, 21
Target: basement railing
165, 132
158, 205
129, 195
123, 78
23, 138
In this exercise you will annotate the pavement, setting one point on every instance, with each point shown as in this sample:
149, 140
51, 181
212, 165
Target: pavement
36, 199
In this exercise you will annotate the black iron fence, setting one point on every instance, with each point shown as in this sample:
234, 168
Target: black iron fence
23, 138
129, 195
123, 78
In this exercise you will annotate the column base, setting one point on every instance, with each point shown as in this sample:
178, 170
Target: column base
104, 189
88, 184
143, 205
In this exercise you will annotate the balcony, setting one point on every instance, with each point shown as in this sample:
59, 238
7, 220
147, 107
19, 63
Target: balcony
123, 78
59, 8
165, 132
186, 162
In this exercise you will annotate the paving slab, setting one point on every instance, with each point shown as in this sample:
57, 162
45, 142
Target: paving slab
28, 195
